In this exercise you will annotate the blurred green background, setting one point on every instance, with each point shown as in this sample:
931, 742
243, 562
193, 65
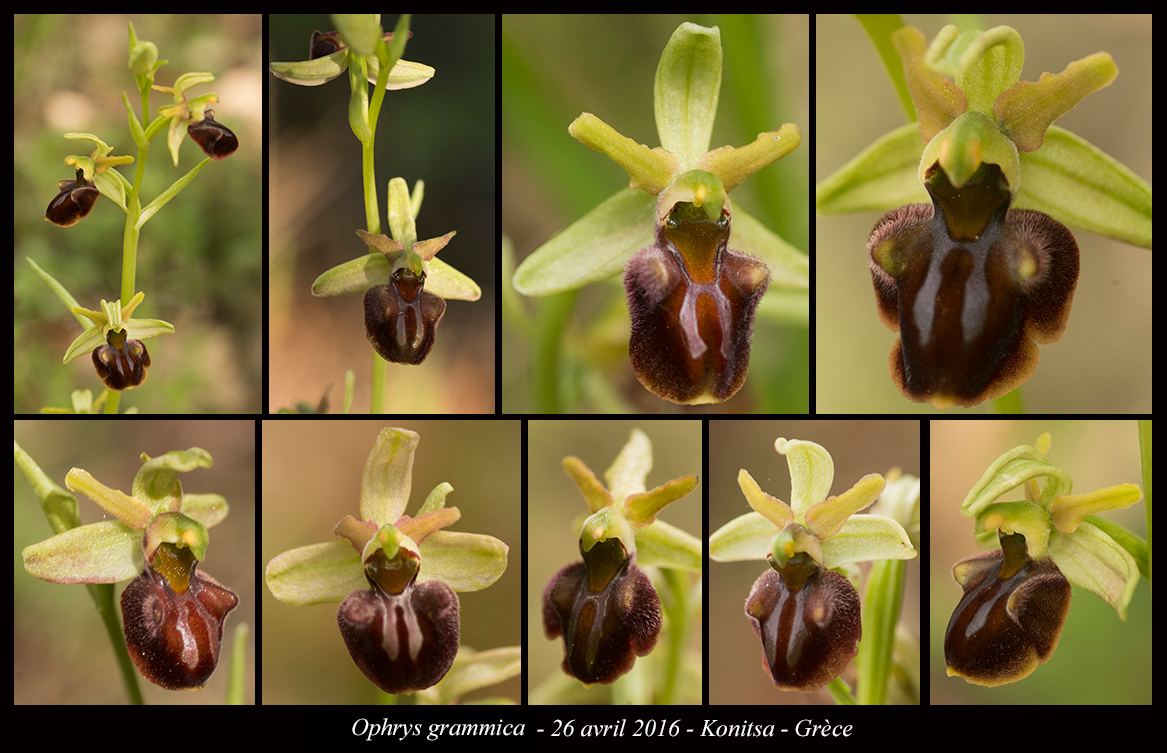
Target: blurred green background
442, 132
557, 66
1100, 659
199, 259
312, 479
61, 653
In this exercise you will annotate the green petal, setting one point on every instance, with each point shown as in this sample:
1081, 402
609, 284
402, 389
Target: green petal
734, 165
1078, 184
811, 473
1068, 510
313, 72
664, 545
593, 248
773, 509
156, 482
463, 561
827, 517
388, 476
746, 537
688, 80
133, 512
938, 100
629, 470
882, 176
642, 508
1027, 109
105, 552
867, 537
648, 169
1091, 559
593, 491
316, 574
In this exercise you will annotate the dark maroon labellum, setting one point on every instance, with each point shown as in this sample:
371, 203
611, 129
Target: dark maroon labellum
323, 44
607, 611
121, 362
402, 642
173, 638
75, 200
970, 285
692, 302
401, 318
810, 629
1011, 615
213, 137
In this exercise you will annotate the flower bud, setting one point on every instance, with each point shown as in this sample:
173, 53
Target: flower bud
807, 619
214, 138
692, 303
607, 611
1011, 615
121, 362
75, 200
403, 635
173, 618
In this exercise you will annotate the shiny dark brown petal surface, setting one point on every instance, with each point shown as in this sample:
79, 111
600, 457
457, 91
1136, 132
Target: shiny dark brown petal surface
122, 362
174, 639
970, 285
692, 303
808, 635
215, 139
1010, 618
401, 320
75, 200
402, 642
607, 618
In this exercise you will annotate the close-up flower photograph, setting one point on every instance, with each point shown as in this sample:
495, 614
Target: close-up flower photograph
614, 586
988, 178
823, 519
389, 554
633, 282
167, 509
1041, 535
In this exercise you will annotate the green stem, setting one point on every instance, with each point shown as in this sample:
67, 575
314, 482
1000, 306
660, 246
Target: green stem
1145, 453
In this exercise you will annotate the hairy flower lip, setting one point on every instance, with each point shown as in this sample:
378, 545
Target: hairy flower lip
970, 285
692, 302
1010, 617
174, 639
603, 630
809, 633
